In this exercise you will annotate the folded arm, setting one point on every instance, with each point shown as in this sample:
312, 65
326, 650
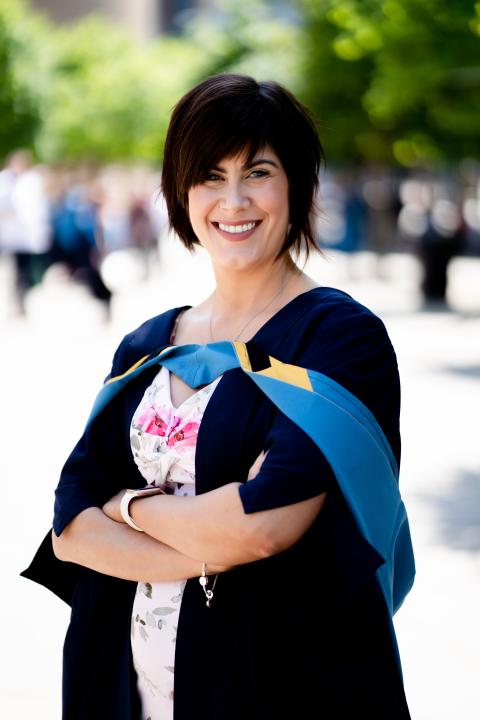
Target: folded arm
239, 523
95, 541
234, 524
215, 528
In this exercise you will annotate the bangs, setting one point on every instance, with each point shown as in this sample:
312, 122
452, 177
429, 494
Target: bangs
226, 131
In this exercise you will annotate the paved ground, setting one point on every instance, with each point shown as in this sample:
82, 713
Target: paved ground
53, 362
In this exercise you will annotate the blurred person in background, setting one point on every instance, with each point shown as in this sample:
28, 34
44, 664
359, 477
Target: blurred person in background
248, 570
76, 237
443, 239
341, 225
144, 209
431, 224
380, 192
130, 224
24, 222
114, 208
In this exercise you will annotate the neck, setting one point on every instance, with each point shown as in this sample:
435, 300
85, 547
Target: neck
240, 294
239, 308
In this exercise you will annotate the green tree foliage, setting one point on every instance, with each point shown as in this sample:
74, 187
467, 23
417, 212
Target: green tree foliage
110, 97
395, 81
427, 81
334, 81
253, 37
22, 76
87, 91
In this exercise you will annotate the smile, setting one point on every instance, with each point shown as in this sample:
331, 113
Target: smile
237, 229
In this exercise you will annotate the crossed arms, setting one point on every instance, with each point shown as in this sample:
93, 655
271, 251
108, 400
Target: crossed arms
182, 532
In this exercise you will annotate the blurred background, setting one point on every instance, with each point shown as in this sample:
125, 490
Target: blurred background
86, 90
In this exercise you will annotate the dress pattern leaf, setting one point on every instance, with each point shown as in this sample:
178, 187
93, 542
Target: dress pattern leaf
163, 440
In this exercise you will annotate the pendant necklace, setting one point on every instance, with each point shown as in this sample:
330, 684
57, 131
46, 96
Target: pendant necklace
283, 287
203, 579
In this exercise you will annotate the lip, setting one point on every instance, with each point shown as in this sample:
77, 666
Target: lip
235, 236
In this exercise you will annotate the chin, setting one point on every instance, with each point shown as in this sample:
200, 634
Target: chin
239, 264
235, 259
244, 259
234, 265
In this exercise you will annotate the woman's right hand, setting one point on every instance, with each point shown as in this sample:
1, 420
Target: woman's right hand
255, 469
253, 472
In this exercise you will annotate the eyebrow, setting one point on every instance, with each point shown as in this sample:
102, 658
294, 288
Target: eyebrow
250, 165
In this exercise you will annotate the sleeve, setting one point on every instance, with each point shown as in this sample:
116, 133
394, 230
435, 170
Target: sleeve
362, 359
293, 470
93, 470
357, 354
85, 481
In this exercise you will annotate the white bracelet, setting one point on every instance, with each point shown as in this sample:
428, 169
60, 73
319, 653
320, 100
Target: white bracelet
132, 494
127, 498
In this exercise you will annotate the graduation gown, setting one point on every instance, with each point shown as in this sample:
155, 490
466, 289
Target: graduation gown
305, 633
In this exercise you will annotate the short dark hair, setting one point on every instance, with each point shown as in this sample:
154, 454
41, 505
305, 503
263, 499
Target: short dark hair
226, 115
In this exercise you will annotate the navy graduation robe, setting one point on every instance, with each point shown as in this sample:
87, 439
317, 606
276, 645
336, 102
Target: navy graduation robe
302, 634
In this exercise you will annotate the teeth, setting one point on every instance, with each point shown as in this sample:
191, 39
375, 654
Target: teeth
237, 228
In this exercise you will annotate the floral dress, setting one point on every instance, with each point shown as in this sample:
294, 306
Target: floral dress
163, 440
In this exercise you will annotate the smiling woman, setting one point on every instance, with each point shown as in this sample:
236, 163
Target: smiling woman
263, 127
228, 527
240, 212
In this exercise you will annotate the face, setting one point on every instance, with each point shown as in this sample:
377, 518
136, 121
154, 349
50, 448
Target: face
240, 212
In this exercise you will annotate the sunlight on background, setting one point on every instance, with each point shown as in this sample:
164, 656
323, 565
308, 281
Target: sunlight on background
85, 256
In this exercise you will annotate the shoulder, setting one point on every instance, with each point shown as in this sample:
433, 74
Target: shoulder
333, 303
145, 339
331, 315
341, 338
346, 341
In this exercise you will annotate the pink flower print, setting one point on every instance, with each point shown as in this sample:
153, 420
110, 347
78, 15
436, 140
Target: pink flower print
152, 422
163, 422
185, 436
174, 423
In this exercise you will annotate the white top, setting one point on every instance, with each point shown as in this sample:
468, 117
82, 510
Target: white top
163, 441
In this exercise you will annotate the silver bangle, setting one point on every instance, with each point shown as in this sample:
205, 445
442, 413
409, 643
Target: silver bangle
203, 580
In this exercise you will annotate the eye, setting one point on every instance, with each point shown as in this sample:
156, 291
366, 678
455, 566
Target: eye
212, 177
259, 173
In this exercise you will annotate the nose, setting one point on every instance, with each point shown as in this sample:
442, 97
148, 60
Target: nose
234, 197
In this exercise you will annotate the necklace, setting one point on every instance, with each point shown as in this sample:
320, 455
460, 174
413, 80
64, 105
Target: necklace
284, 285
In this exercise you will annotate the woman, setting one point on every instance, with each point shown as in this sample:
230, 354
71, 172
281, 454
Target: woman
289, 618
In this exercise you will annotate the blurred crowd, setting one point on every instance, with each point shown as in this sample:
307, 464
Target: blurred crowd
85, 217
76, 217
434, 215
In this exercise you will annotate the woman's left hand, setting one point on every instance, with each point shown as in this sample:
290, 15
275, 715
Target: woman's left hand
112, 507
